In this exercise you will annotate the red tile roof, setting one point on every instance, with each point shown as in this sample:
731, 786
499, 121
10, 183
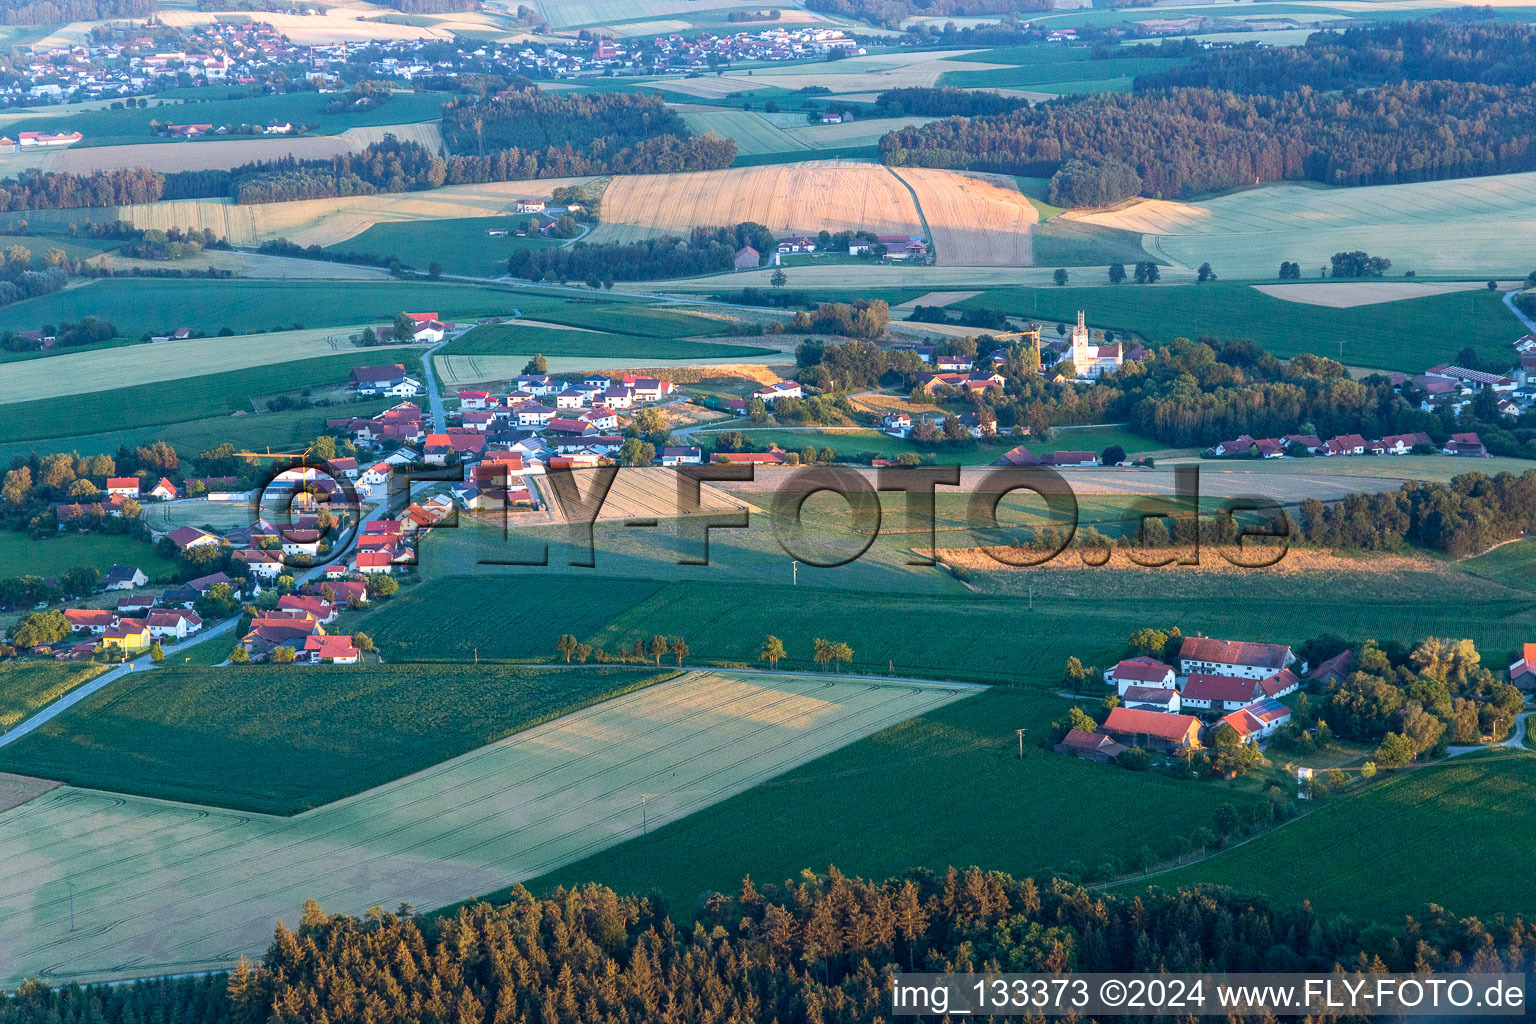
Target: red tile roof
1142, 670
1219, 689
1233, 652
1135, 721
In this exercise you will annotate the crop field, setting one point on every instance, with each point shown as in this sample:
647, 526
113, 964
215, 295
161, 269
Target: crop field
173, 401
976, 220
26, 686
851, 133
105, 127
753, 133
23, 555
1408, 334
852, 442
834, 282
138, 307
564, 14
495, 345
787, 198
1513, 565
112, 368
1365, 854
1053, 69
944, 789
1463, 227
1349, 294
518, 808
220, 154
460, 245
873, 73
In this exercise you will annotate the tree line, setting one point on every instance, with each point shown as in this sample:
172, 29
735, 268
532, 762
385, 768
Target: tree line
704, 251
1466, 516
818, 948
1180, 142
57, 12
32, 189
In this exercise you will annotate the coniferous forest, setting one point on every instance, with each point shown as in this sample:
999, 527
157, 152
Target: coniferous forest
818, 949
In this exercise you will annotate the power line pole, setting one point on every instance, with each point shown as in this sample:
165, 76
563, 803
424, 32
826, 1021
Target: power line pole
1021, 743
71, 905
645, 828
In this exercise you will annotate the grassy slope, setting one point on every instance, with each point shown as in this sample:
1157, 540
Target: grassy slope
190, 398
460, 245
515, 339
944, 789
1444, 833
281, 739
852, 443
53, 556
26, 686
1409, 334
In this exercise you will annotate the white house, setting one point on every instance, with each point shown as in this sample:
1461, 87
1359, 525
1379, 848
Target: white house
682, 456
170, 623
1200, 654
779, 389
1140, 672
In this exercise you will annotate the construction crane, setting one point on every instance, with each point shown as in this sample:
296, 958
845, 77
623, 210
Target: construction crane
299, 457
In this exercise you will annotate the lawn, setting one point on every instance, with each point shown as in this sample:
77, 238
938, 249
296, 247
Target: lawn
1408, 334
522, 340
175, 401
459, 245
55, 555
1444, 833
26, 686
245, 307
119, 127
283, 739
943, 789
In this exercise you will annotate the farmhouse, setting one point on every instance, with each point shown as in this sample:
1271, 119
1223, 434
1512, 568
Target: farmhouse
330, 650
390, 381
779, 389
1467, 445
130, 636
1091, 746
1258, 721
682, 456
1141, 671
1152, 730
177, 624
89, 620
795, 245
1069, 459
1523, 672
1152, 698
1220, 693
1199, 654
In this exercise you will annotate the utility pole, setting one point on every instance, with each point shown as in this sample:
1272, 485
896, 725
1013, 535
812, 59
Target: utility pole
1031, 597
645, 828
794, 569
1021, 743
71, 905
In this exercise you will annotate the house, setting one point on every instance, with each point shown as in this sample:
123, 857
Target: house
1151, 698
1258, 721
187, 594
831, 118
90, 620
1310, 442
330, 650
391, 381
1090, 746
346, 592
133, 605
601, 418
1402, 444
529, 206
648, 389
187, 537
122, 486
1017, 457
171, 623
1220, 693
1141, 671
777, 390
795, 245
1204, 655
748, 258
1345, 444
538, 384
267, 565
130, 636
904, 247
1472, 380
1522, 673
369, 562
774, 456
1333, 671
274, 629
1467, 445
124, 577
1152, 730
953, 364
687, 455
162, 491
1069, 459
897, 424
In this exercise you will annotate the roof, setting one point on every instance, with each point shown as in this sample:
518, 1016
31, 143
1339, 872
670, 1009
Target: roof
88, 616
1151, 723
1339, 663
184, 535
115, 482
1234, 652
1220, 688
1078, 739
1280, 682
1142, 670
1147, 695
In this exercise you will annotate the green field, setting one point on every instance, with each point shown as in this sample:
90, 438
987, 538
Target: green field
175, 401
1072, 243
55, 555
26, 686
1055, 69
107, 127
1513, 565
277, 430
282, 739
944, 789
1408, 334
460, 245
1444, 833
517, 339
849, 444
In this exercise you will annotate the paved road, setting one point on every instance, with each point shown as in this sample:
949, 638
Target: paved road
1509, 300
1516, 739
434, 397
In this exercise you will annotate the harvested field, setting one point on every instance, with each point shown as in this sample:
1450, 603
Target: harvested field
851, 133
335, 25
328, 221
639, 493
976, 220
16, 790
872, 73
564, 14
753, 133
1249, 233
1347, 295
789, 198
252, 265
111, 368
161, 887
933, 299
220, 154
425, 133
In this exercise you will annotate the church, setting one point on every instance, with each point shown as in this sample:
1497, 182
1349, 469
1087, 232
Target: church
1089, 361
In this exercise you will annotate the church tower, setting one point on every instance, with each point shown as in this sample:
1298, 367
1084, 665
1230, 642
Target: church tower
1082, 359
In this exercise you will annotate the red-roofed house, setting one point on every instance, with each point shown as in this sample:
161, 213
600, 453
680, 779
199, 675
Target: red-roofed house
1523, 672
89, 620
375, 561
322, 610
1219, 693
179, 624
1233, 658
1142, 671
162, 491
127, 486
332, 650
1152, 730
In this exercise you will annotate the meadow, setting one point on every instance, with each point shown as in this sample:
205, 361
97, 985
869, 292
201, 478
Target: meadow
1407, 335
1055, 69
460, 245
251, 738
1462, 227
849, 444
518, 340
515, 809
943, 789
1513, 564
174, 401
105, 127
26, 686
1442, 833
22, 555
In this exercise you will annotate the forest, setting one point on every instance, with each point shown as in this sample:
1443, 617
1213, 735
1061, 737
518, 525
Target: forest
1185, 142
945, 102
819, 948
1489, 53
58, 12
1470, 514
38, 190
704, 251
533, 120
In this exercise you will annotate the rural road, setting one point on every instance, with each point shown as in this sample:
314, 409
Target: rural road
1509, 300
434, 397
1516, 739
